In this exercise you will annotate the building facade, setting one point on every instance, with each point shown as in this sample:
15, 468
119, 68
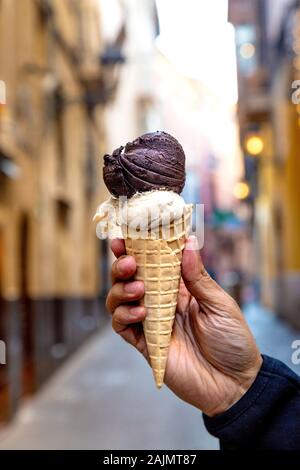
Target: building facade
268, 54
286, 195
53, 69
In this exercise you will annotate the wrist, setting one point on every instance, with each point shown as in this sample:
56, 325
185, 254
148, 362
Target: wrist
240, 389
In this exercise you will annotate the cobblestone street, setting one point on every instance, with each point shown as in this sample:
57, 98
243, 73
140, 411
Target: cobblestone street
104, 398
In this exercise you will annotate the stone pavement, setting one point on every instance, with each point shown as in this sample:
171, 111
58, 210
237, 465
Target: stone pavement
104, 398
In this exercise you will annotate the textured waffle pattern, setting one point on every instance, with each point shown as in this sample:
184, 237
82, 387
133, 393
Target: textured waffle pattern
159, 266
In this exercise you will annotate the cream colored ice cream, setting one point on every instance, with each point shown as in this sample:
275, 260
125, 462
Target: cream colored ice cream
142, 213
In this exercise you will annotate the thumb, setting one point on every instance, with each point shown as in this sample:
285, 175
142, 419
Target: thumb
197, 280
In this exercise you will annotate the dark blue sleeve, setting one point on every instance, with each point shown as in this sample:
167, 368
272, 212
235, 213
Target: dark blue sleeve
267, 417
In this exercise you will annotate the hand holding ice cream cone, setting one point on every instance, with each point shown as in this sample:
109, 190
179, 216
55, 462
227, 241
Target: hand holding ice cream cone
213, 358
188, 326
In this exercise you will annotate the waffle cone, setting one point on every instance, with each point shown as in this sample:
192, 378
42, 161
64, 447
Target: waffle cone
159, 267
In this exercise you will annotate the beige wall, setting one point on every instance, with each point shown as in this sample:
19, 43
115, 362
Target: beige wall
62, 248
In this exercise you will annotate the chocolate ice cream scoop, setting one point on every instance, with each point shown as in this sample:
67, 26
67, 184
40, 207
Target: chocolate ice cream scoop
152, 161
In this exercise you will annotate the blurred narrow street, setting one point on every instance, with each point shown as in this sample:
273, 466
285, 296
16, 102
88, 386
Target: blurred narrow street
104, 398
85, 77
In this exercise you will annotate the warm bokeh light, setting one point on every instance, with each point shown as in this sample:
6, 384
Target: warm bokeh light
254, 145
247, 50
241, 190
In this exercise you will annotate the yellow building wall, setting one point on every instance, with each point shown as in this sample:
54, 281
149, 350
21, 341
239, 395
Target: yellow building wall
277, 210
265, 261
291, 195
62, 255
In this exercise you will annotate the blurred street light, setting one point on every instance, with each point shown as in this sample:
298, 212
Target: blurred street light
241, 190
254, 145
247, 50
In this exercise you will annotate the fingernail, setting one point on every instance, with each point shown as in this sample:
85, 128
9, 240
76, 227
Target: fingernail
137, 311
133, 287
192, 243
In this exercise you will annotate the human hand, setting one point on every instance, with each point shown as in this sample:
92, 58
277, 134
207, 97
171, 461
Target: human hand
213, 358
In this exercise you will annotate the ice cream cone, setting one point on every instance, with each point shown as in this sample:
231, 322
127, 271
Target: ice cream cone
145, 179
159, 266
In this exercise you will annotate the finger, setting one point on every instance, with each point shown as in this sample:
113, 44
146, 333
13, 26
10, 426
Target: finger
124, 323
118, 247
123, 293
134, 335
196, 278
183, 299
126, 315
123, 268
